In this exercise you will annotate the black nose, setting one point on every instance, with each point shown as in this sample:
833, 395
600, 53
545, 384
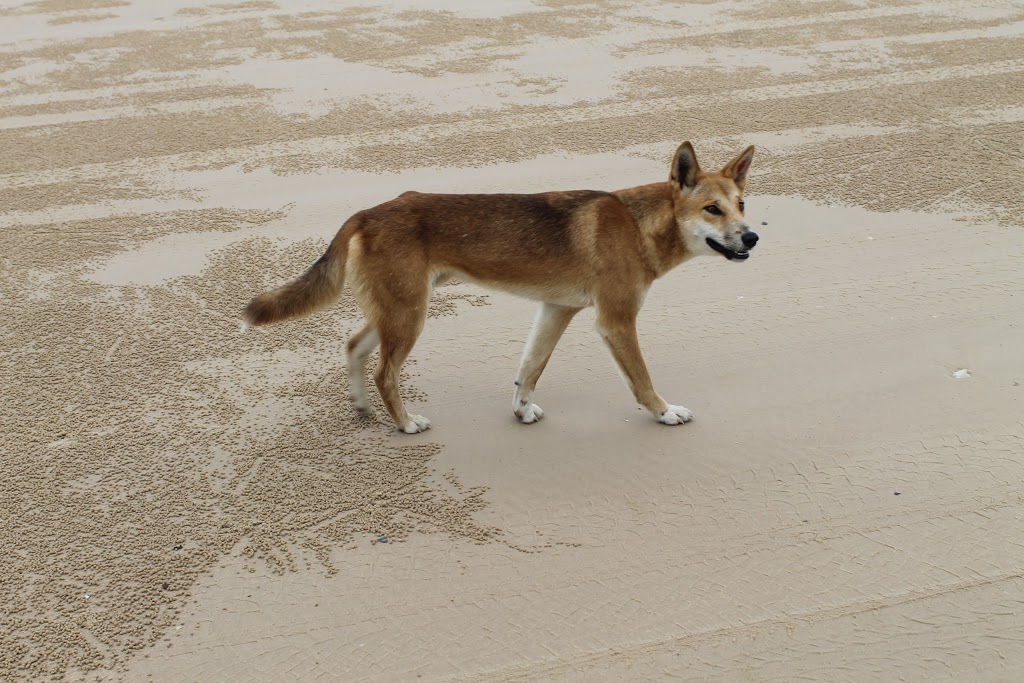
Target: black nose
749, 239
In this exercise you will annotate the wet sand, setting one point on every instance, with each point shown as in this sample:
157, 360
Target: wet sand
181, 502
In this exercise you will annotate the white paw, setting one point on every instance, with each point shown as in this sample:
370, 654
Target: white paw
529, 413
675, 415
362, 407
416, 424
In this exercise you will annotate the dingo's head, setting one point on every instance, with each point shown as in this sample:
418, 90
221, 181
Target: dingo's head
709, 206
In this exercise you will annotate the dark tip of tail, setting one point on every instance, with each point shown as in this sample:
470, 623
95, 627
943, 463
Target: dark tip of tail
258, 312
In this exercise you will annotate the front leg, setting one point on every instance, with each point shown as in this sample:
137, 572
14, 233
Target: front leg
548, 327
618, 329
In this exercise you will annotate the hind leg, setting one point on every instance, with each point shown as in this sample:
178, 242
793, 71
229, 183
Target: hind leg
398, 330
360, 346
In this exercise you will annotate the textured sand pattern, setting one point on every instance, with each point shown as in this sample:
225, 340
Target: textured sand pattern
180, 502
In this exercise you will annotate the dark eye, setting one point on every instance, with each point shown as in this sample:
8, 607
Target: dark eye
742, 206
713, 209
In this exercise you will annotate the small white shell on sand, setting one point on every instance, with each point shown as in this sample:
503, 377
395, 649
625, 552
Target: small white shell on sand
962, 374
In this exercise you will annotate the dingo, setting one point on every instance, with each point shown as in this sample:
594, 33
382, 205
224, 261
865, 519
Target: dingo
567, 250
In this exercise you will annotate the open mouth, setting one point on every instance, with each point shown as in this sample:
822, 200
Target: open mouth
727, 252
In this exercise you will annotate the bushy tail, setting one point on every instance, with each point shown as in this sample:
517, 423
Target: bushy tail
319, 286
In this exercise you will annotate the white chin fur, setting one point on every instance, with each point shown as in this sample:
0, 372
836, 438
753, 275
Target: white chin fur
701, 248
698, 242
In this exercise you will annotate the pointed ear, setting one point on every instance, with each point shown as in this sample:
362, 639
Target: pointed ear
738, 167
684, 167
